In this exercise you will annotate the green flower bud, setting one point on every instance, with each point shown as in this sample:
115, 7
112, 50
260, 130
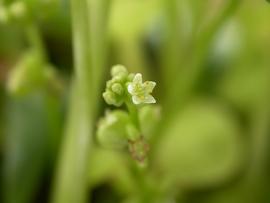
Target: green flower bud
119, 70
111, 131
120, 78
117, 88
112, 99
115, 93
109, 97
109, 83
130, 77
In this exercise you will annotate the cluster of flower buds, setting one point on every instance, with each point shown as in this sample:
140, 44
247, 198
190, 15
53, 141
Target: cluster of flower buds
116, 93
126, 86
120, 129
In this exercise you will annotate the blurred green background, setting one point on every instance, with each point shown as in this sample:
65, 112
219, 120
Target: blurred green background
210, 136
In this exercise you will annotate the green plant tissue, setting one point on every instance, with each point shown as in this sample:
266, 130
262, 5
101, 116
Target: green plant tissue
201, 147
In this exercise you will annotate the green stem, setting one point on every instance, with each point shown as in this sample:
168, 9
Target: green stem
98, 42
255, 177
133, 112
89, 44
71, 176
172, 47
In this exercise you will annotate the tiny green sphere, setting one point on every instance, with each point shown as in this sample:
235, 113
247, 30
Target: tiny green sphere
117, 88
119, 69
109, 97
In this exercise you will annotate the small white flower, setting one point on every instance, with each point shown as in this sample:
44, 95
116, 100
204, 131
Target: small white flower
141, 92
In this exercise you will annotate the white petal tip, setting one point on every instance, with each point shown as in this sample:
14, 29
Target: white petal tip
138, 78
150, 100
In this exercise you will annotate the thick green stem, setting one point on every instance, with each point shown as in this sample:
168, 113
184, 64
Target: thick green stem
133, 112
71, 177
97, 23
172, 47
89, 47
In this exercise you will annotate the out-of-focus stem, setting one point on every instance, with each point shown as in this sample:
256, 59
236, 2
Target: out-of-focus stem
89, 44
259, 144
71, 176
171, 50
183, 85
97, 22
133, 111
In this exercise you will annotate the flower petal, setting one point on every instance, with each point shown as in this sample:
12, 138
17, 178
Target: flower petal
149, 99
131, 89
136, 100
149, 86
137, 78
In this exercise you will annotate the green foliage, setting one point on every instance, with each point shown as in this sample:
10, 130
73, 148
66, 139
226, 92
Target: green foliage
111, 129
205, 141
29, 148
29, 74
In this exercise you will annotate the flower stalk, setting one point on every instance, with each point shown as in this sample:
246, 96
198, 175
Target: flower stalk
129, 89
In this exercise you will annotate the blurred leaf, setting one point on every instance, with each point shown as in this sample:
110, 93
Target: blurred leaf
128, 22
110, 167
201, 147
28, 75
246, 87
140, 13
112, 131
11, 43
26, 148
149, 117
